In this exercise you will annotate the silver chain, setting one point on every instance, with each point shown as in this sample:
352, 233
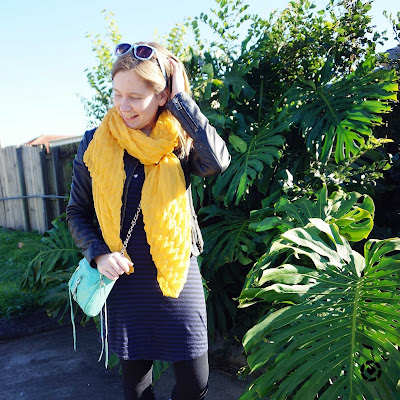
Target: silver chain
128, 235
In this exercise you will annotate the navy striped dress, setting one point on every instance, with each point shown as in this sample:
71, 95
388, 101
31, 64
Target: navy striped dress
142, 323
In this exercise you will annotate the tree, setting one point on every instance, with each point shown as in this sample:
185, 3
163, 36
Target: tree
99, 76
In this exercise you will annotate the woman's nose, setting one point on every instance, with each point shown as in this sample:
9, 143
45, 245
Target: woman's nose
125, 106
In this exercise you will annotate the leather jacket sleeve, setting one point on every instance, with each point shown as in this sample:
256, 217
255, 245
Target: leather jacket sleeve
209, 155
80, 208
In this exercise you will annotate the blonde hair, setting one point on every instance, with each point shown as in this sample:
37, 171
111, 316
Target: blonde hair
150, 71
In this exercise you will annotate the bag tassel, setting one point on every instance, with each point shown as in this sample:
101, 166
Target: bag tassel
72, 319
104, 343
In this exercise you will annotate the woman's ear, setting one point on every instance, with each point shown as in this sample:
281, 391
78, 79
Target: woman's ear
163, 98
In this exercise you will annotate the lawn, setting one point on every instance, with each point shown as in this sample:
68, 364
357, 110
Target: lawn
14, 257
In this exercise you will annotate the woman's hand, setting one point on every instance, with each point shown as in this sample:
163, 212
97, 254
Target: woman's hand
112, 265
178, 80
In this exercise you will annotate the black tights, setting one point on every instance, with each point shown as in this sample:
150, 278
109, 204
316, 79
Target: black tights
191, 379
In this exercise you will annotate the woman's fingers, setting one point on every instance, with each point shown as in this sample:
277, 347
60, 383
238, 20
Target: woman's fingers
110, 274
113, 265
122, 262
178, 80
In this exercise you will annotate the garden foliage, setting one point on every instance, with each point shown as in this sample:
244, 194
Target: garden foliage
298, 101
334, 329
49, 271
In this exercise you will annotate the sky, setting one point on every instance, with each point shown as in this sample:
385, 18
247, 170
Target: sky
45, 52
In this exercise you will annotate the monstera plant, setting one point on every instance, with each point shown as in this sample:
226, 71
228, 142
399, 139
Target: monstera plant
49, 271
334, 330
352, 213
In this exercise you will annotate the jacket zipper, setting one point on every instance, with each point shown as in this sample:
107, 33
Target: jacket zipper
185, 115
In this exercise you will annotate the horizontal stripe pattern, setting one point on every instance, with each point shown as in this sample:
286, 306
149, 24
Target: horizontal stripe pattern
142, 323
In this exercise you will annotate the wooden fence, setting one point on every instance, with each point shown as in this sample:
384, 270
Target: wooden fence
34, 185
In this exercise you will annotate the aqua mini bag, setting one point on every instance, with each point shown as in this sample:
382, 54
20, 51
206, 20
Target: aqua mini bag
90, 289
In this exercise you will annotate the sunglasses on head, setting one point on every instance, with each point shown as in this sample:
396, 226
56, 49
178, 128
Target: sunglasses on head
141, 52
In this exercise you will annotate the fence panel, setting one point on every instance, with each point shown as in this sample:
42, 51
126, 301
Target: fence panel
3, 219
34, 187
39, 180
13, 210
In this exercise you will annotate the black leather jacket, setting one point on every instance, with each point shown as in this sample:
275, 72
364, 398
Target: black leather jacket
209, 156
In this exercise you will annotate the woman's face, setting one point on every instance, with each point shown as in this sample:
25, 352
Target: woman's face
136, 101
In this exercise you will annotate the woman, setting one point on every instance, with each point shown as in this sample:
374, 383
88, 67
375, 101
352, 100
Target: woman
143, 153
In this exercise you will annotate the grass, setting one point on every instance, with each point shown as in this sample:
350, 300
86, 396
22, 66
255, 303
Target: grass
14, 258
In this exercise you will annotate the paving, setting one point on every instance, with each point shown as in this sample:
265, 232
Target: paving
44, 366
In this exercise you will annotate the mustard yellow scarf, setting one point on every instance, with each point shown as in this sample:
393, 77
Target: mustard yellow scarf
165, 208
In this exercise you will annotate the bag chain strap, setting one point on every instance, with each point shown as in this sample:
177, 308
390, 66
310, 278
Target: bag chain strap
128, 235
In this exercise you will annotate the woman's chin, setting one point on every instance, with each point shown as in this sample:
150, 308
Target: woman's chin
131, 123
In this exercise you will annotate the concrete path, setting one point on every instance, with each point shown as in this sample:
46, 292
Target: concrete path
44, 366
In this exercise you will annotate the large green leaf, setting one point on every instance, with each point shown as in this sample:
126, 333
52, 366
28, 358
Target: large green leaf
226, 240
339, 334
158, 368
235, 79
352, 212
261, 147
56, 251
338, 114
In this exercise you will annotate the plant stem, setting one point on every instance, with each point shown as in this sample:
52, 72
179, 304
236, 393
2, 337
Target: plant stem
353, 337
260, 100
